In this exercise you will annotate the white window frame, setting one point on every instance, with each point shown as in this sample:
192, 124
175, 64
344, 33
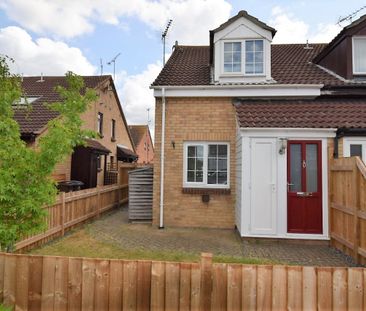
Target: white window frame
353, 55
239, 73
204, 183
264, 59
243, 59
348, 141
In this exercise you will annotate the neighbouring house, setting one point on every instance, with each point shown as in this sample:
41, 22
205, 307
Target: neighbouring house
96, 163
143, 143
245, 129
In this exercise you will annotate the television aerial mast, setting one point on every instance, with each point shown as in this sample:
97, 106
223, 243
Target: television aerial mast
350, 16
113, 60
163, 36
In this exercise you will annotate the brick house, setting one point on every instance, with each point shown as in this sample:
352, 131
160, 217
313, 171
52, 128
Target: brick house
245, 129
93, 164
143, 143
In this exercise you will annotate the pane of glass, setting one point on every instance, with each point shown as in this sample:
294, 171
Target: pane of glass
222, 178
211, 177
259, 45
191, 162
190, 176
228, 68
222, 151
237, 57
249, 45
199, 176
212, 164
199, 151
259, 57
236, 68
356, 150
249, 57
227, 58
258, 68
311, 168
295, 168
222, 164
237, 47
199, 164
249, 68
228, 47
191, 151
212, 150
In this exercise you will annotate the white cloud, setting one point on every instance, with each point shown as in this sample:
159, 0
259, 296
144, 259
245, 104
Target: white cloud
65, 18
42, 55
135, 95
291, 29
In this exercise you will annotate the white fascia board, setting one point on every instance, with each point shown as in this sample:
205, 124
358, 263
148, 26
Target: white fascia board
247, 91
289, 132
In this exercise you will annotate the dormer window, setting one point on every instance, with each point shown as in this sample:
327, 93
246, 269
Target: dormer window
359, 55
252, 59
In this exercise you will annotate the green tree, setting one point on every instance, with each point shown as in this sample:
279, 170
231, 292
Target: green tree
25, 182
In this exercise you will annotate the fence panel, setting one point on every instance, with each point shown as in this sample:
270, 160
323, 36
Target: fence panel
73, 208
347, 197
62, 283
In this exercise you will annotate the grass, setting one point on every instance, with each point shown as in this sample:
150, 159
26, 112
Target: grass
81, 244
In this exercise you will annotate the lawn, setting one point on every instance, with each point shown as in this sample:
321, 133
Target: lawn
81, 243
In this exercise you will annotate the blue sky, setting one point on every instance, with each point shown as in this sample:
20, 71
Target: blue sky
59, 35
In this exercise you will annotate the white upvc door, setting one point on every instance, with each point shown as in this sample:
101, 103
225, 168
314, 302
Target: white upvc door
263, 186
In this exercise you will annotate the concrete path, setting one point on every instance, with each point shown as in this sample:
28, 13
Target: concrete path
115, 228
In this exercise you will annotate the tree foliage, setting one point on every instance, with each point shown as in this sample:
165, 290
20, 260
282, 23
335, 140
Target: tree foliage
25, 182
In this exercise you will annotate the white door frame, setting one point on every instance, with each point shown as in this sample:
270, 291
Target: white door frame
298, 134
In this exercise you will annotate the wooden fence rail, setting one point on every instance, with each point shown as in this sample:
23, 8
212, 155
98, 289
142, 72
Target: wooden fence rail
347, 199
60, 283
74, 208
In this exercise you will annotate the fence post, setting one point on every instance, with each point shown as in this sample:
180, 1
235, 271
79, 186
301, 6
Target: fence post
99, 203
206, 281
356, 223
63, 207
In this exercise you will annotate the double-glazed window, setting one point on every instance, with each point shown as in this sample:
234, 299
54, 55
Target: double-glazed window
355, 146
113, 129
206, 165
359, 55
251, 62
100, 123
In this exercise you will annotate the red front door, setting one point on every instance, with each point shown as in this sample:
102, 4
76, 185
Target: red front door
304, 187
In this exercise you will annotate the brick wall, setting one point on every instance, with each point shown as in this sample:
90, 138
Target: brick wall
193, 119
108, 105
145, 156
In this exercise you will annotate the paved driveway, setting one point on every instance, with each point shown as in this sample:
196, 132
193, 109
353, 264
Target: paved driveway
115, 228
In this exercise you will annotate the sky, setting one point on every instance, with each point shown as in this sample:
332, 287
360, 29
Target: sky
55, 36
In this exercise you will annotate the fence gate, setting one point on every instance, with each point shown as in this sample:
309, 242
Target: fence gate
140, 194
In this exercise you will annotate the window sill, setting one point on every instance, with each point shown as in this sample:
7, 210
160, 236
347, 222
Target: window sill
224, 191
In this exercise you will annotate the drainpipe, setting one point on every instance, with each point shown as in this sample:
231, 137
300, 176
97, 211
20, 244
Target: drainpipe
162, 157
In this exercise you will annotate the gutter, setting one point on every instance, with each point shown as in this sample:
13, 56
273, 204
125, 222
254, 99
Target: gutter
162, 158
235, 86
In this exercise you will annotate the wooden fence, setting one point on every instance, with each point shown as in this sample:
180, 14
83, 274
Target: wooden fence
74, 208
347, 199
60, 283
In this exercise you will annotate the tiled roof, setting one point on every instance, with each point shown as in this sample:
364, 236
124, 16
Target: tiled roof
137, 133
96, 145
34, 119
291, 64
320, 113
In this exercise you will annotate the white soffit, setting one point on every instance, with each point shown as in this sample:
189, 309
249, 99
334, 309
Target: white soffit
251, 91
